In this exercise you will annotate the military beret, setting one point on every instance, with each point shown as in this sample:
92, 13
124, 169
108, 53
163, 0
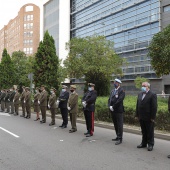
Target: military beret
73, 86
52, 88
27, 88
91, 84
64, 87
117, 80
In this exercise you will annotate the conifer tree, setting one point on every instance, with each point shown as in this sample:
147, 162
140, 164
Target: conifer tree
7, 76
46, 63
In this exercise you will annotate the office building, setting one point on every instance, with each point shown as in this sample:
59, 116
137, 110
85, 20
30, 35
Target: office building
57, 21
23, 32
131, 24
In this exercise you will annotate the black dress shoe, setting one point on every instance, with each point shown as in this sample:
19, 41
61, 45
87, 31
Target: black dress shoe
61, 126
22, 115
28, 117
141, 146
118, 142
15, 114
42, 122
86, 133
89, 135
37, 119
51, 124
116, 139
168, 156
150, 147
64, 126
25, 116
72, 131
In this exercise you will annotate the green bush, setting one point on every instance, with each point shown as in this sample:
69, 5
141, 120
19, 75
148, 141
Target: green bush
102, 112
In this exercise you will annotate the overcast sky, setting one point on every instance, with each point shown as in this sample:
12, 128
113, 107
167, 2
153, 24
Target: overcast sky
9, 9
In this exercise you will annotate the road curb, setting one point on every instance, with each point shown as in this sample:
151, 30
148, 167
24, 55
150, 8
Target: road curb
128, 129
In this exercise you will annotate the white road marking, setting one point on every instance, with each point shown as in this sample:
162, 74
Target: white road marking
4, 114
9, 132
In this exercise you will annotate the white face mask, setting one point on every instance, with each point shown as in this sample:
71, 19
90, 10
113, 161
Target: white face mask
51, 92
63, 90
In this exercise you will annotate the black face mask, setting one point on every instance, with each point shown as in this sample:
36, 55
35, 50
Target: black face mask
72, 91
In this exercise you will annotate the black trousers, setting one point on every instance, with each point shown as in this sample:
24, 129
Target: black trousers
89, 117
64, 114
147, 128
117, 119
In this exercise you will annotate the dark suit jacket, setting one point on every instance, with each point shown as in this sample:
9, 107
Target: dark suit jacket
90, 98
11, 97
146, 109
63, 99
116, 100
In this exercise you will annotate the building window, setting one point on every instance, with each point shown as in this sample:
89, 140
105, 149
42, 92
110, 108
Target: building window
28, 8
166, 8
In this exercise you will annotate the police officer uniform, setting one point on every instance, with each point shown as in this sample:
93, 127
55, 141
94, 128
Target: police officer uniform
88, 102
115, 104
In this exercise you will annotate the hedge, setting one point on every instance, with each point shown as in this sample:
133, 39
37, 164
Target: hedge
102, 113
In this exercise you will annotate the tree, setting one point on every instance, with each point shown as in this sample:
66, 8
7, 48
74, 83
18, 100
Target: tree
7, 76
20, 61
94, 58
46, 63
159, 52
139, 81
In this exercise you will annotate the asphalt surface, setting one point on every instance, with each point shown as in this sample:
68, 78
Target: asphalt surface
29, 145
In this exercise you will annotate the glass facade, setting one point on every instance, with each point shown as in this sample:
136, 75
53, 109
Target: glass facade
131, 24
51, 21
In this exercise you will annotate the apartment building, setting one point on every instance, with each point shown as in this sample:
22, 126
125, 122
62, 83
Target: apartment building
23, 32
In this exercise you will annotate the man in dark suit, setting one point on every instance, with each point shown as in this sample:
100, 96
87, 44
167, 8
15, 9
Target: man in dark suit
63, 99
146, 109
116, 107
88, 103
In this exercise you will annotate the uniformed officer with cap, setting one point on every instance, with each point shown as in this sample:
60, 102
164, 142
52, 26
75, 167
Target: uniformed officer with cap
52, 105
73, 108
116, 107
43, 103
27, 102
36, 104
88, 103
63, 99
2, 100
16, 102
22, 97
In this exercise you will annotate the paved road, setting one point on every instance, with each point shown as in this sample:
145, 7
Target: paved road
40, 147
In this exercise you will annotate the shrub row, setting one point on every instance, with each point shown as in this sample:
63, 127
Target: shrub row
102, 112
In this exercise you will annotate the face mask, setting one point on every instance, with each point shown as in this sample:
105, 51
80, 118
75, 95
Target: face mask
51, 92
90, 89
143, 89
63, 90
72, 91
115, 85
